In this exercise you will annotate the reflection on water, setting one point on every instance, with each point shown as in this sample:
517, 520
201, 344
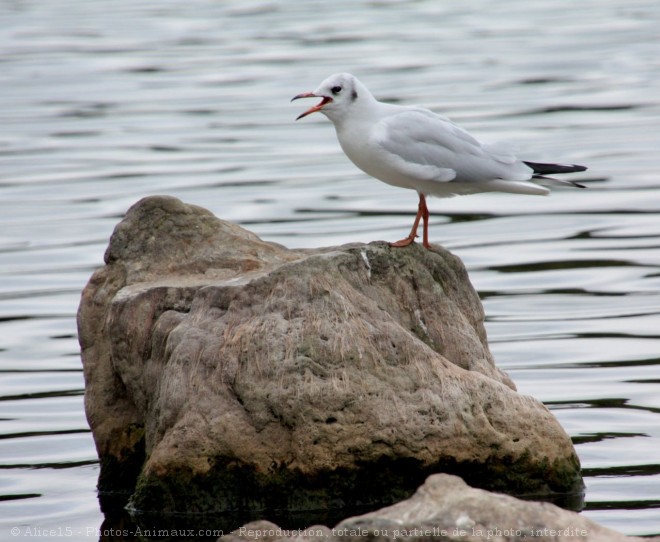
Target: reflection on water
103, 106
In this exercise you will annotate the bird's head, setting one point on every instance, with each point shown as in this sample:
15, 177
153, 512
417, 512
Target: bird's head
338, 94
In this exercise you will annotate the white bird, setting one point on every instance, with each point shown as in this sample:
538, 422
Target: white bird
412, 147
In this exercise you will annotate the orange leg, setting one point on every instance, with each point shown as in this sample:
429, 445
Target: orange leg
422, 214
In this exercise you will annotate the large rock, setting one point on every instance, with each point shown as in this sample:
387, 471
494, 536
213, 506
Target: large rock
446, 509
226, 373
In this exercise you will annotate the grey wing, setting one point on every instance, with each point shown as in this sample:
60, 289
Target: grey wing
425, 142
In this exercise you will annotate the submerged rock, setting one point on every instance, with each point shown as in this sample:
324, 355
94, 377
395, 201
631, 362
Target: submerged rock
446, 508
226, 373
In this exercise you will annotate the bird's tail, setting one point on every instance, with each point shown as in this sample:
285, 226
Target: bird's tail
540, 170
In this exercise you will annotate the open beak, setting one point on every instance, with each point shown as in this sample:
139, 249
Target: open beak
317, 107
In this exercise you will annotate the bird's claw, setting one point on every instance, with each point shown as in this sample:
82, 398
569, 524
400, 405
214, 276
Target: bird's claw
403, 243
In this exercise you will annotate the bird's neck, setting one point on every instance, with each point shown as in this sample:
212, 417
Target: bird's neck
365, 110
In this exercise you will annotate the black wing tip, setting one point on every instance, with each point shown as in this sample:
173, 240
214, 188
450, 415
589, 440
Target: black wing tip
549, 169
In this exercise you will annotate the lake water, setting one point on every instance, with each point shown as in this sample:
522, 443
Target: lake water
102, 103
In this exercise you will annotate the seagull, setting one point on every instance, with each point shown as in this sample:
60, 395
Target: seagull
415, 148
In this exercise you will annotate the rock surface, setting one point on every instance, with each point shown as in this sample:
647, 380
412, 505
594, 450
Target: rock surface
446, 509
227, 373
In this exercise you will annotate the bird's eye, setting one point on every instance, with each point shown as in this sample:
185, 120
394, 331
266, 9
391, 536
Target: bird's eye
336, 90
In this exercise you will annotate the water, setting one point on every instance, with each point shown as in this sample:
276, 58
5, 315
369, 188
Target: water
103, 103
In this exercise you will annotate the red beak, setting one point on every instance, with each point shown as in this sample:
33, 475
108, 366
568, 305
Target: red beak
317, 107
